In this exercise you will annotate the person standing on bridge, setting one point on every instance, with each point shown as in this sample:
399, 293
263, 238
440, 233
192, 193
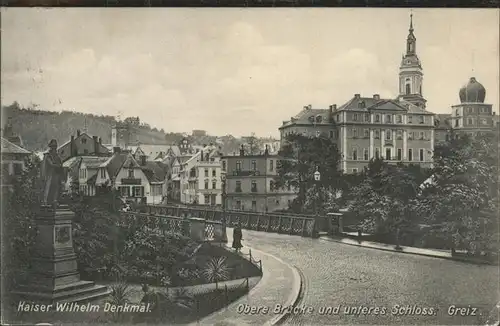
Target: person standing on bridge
237, 237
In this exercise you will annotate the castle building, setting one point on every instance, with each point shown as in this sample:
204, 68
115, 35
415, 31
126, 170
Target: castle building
397, 130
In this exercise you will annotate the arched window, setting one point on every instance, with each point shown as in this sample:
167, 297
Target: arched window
408, 90
469, 121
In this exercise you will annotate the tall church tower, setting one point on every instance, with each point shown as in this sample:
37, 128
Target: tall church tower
411, 73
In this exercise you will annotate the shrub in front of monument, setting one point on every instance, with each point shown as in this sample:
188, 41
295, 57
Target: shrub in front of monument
19, 206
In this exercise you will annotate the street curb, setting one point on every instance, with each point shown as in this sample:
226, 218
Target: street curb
294, 297
411, 253
298, 298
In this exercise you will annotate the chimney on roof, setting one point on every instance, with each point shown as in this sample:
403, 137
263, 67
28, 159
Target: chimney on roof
72, 147
96, 145
116, 149
78, 133
376, 97
242, 150
143, 160
357, 96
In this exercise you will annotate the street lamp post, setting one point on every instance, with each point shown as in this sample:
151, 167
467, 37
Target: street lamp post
223, 195
317, 179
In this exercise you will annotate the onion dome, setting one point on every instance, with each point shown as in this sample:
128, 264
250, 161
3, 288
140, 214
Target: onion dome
473, 92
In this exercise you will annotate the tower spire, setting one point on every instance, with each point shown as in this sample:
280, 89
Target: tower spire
411, 21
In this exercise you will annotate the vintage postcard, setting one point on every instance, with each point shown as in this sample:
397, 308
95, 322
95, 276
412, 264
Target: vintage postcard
250, 167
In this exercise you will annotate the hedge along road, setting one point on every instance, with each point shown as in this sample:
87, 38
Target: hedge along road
383, 288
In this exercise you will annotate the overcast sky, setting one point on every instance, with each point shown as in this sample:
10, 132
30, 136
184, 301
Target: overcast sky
237, 70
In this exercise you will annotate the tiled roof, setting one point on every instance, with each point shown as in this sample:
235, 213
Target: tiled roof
353, 104
73, 167
154, 171
8, 147
102, 147
152, 151
115, 163
94, 162
310, 116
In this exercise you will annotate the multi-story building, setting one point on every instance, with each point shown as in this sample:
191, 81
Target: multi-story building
249, 183
472, 115
199, 178
82, 145
398, 130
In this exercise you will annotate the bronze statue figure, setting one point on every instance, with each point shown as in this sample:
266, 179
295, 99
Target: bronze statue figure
52, 173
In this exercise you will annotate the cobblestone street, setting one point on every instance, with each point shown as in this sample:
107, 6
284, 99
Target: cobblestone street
338, 274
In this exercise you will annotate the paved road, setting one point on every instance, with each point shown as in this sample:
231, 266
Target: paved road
338, 274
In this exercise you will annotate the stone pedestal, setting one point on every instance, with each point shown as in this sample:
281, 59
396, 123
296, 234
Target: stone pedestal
53, 276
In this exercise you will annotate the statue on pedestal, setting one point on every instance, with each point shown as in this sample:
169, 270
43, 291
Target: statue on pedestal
52, 175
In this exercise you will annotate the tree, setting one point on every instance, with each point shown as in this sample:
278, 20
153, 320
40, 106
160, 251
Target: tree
252, 144
463, 198
302, 156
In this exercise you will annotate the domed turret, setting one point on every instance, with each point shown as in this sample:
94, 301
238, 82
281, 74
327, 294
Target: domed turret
473, 92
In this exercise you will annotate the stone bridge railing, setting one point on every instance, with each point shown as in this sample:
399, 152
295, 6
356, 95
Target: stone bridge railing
306, 226
198, 229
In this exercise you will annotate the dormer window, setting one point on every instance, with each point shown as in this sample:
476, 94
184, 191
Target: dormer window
361, 104
367, 117
319, 119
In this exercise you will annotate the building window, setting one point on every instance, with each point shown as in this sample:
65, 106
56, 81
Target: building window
18, 168
484, 122
331, 133
421, 135
354, 133
456, 123
271, 185
206, 199
238, 204
367, 133
408, 90
254, 186
206, 184
410, 119
271, 165
410, 154
338, 117
238, 186
103, 173
355, 154
410, 135
399, 134
354, 170
469, 121
421, 155
388, 134
377, 118
388, 118
422, 119
254, 205
367, 117
214, 184
84, 140
365, 154
238, 165
223, 165
138, 191
377, 134
355, 117
400, 118
400, 154
85, 152
214, 173
254, 165
131, 173
125, 191
377, 153
388, 154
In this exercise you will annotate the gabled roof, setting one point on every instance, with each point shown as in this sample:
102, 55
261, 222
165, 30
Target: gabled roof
94, 162
354, 103
154, 171
11, 148
92, 179
387, 105
115, 163
102, 148
310, 116
73, 166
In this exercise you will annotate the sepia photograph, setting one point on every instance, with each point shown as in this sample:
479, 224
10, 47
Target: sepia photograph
245, 166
